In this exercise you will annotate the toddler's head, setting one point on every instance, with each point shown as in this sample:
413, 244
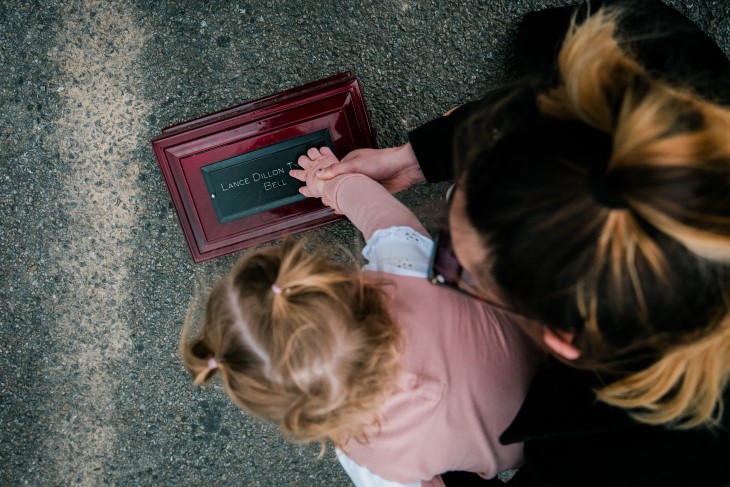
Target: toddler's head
299, 340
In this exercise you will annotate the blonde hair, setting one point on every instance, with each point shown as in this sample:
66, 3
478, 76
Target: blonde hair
644, 284
301, 341
653, 127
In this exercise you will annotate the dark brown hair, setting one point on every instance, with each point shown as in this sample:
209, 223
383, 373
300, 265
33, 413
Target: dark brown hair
604, 202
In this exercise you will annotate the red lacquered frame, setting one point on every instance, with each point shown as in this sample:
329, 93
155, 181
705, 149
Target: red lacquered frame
335, 103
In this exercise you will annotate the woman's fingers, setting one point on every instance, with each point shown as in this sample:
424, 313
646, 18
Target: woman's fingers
337, 169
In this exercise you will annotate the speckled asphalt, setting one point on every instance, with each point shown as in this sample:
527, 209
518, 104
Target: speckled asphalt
95, 276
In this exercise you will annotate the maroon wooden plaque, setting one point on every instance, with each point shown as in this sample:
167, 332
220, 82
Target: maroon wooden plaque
227, 172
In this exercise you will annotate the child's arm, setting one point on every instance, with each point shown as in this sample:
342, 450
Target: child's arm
366, 203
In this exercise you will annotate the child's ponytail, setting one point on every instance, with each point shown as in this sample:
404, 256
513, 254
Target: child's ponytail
197, 353
302, 275
299, 340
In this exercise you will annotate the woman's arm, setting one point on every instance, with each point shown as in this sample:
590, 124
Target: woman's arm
433, 143
396, 168
668, 44
427, 156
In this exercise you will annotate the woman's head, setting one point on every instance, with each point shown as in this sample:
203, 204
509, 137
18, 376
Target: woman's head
299, 340
603, 203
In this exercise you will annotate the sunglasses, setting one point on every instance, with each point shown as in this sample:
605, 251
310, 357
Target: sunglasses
444, 268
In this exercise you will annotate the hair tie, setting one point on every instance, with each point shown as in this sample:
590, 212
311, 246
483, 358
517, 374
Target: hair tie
603, 193
203, 374
595, 147
276, 289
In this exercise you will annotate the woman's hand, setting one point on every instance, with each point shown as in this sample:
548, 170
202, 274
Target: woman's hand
396, 168
311, 164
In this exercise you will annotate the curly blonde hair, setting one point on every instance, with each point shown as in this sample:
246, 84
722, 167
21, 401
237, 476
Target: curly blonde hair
301, 341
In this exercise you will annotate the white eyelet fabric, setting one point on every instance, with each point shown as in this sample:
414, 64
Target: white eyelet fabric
398, 250
362, 477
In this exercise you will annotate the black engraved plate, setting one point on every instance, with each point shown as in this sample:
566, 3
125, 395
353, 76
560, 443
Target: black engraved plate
259, 180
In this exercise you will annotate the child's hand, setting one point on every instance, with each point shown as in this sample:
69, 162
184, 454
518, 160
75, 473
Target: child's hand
315, 161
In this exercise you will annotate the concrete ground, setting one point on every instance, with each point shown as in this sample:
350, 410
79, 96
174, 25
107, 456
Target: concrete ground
95, 276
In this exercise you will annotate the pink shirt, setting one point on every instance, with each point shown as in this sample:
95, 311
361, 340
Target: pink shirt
465, 367
465, 372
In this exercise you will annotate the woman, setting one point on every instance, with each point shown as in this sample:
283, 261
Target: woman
594, 197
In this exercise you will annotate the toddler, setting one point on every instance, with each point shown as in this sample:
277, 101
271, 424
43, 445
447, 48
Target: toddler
407, 379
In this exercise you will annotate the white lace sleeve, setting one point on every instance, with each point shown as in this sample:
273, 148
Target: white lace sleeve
362, 477
398, 250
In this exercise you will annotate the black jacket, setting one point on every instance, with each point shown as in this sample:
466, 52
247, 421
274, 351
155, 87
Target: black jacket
573, 440
570, 438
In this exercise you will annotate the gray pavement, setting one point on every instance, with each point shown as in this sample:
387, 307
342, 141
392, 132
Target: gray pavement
95, 277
